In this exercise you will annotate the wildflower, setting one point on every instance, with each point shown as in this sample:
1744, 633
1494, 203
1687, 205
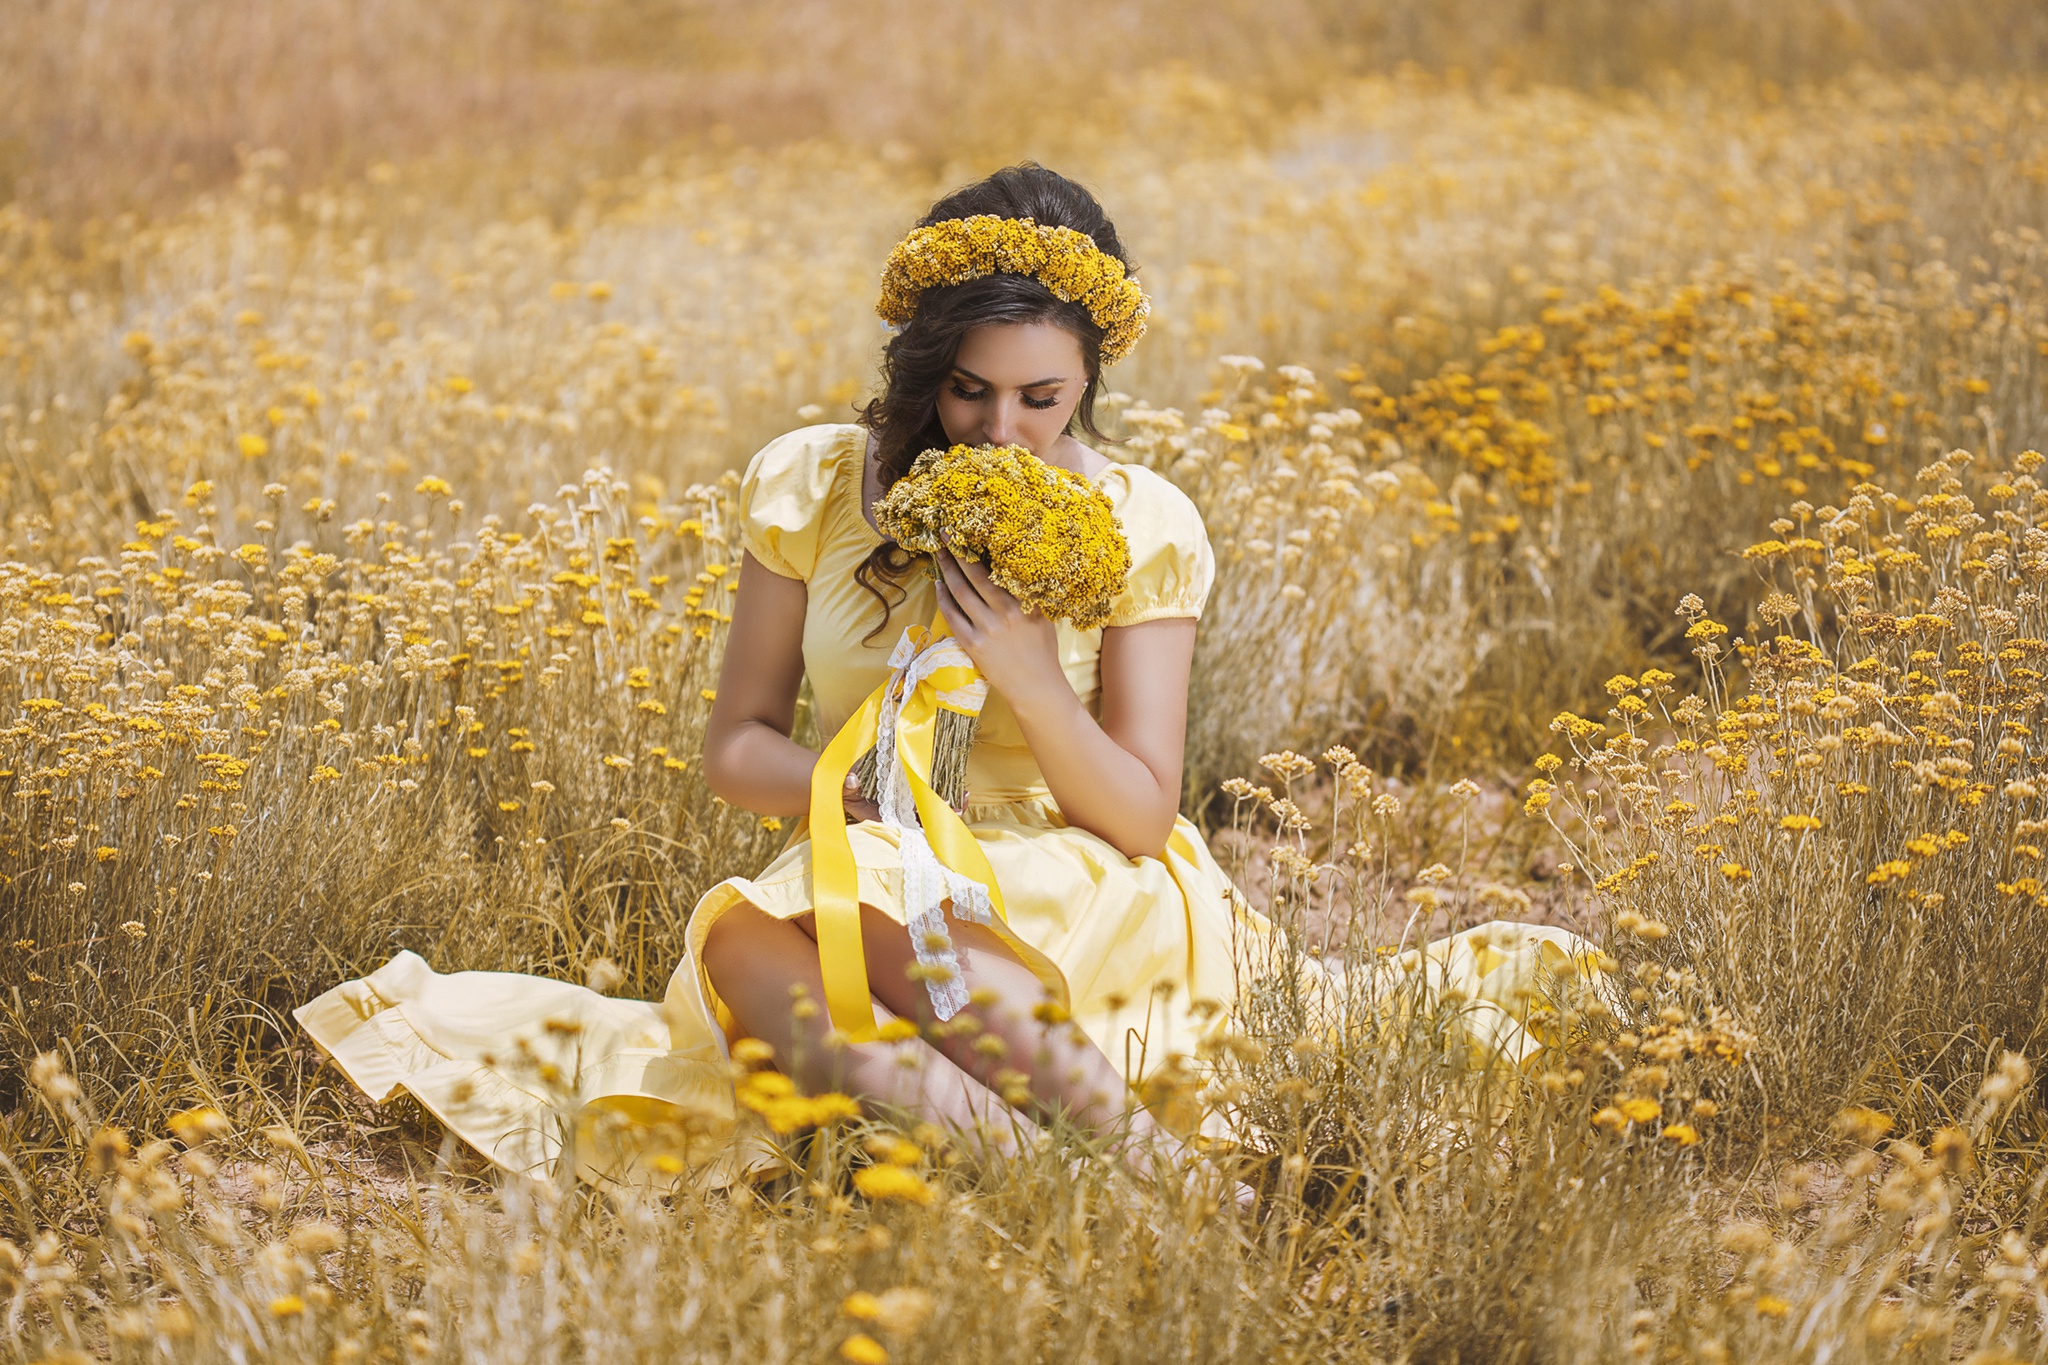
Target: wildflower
252, 445
1771, 1306
199, 1125
887, 1182
773, 1096
753, 1052
1578, 727
862, 1349
861, 1306
1640, 1110
434, 486
135, 929
1861, 1124
1888, 872
1799, 822
287, 1306
1681, 1134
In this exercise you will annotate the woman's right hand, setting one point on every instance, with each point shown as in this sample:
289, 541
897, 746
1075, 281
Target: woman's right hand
858, 807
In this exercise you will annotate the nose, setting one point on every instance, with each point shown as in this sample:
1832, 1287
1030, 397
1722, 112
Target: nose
1000, 425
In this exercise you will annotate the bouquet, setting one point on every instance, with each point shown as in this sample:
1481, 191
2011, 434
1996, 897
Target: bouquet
1049, 537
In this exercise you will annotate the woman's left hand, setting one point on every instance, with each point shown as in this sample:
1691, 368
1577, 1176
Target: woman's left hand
1014, 647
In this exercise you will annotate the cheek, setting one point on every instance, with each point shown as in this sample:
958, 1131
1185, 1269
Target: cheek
1053, 420
954, 416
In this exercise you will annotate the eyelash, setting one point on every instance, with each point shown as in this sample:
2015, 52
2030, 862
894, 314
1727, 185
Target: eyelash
1040, 403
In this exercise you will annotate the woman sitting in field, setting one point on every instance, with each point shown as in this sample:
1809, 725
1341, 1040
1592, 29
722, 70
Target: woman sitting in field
1114, 951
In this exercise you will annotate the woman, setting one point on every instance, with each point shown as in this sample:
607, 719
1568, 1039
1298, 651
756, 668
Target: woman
1117, 917
1074, 780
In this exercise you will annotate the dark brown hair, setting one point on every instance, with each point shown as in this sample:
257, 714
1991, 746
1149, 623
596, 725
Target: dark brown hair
918, 361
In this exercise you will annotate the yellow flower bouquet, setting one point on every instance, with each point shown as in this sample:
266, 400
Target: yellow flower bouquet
1048, 537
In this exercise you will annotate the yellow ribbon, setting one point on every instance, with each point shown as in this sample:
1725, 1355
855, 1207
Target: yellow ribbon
835, 876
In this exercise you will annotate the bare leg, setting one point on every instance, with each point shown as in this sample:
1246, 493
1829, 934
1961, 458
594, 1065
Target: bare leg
754, 960
1043, 1069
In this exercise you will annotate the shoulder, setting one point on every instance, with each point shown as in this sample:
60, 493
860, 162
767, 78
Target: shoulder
786, 488
813, 456
1172, 564
1152, 498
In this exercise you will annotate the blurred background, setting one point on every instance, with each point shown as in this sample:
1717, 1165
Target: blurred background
111, 104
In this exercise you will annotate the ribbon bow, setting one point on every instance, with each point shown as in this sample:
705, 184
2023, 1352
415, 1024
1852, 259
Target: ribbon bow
930, 672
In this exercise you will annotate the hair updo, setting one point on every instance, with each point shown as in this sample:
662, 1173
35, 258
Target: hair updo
918, 360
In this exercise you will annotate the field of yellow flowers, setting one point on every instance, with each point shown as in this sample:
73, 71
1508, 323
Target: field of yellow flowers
1629, 513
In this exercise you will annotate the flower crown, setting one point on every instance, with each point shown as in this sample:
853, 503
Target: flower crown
1063, 260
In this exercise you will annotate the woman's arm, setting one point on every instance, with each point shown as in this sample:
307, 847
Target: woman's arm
1119, 778
749, 758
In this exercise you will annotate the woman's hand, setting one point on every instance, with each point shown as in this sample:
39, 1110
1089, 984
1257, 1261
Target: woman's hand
1015, 648
858, 807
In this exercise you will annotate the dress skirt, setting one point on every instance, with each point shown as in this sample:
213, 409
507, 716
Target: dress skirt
1138, 951
529, 1070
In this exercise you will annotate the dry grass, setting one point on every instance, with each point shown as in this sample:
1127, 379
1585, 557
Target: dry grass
364, 558
118, 103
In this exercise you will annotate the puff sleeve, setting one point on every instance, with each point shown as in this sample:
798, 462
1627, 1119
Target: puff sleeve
1172, 565
783, 496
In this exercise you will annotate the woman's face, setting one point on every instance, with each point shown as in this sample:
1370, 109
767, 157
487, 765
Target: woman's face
1013, 384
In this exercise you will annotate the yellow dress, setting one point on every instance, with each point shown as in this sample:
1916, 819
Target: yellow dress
1138, 950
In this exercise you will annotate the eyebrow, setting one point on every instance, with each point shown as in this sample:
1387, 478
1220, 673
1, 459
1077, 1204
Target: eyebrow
1037, 384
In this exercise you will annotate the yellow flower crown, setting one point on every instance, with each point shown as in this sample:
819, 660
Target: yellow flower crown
1063, 260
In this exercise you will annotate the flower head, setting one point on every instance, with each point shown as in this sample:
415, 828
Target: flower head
886, 1182
1048, 536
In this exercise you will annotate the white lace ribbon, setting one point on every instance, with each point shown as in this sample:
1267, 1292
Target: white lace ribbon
927, 883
